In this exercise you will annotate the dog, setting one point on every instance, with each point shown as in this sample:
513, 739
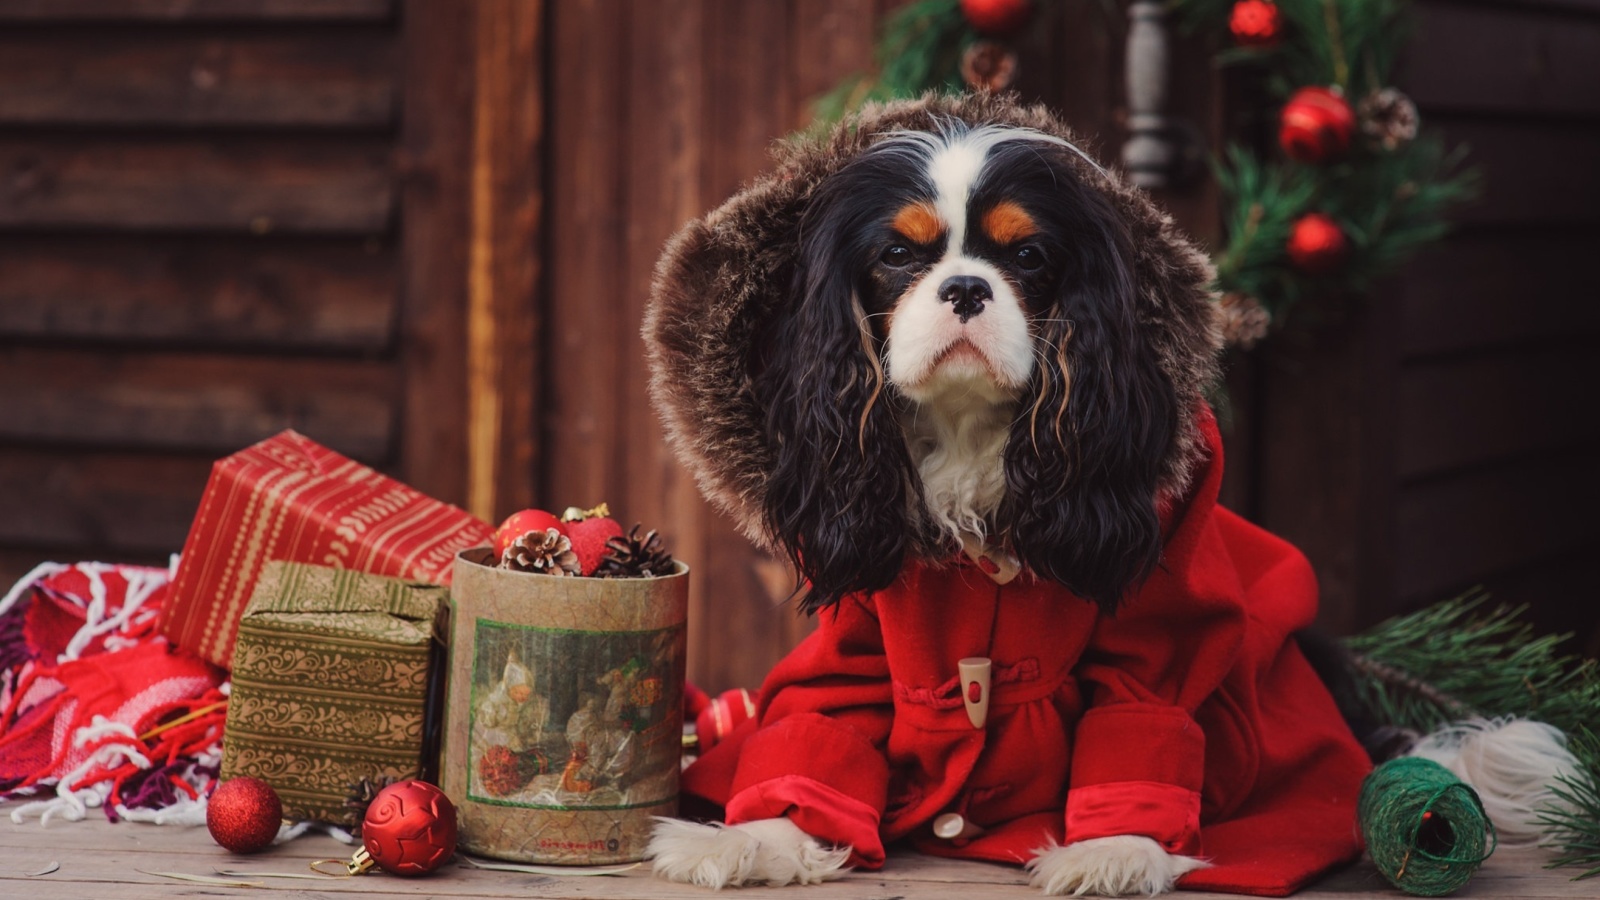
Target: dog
954, 370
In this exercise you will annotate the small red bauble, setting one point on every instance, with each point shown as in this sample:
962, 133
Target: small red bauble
1317, 125
1255, 23
589, 538
997, 17
520, 523
243, 814
410, 828
1317, 246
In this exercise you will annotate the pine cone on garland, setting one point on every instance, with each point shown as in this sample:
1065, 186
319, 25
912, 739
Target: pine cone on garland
636, 557
1244, 320
547, 552
1389, 118
988, 66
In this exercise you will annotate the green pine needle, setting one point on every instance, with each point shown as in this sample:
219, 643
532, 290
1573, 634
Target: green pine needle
1575, 818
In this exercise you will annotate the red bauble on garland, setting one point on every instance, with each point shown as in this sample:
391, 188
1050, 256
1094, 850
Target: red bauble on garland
997, 17
1255, 23
410, 828
243, 814
1317, 245
1317, 125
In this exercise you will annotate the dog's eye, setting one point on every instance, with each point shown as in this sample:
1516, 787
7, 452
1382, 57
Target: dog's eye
1029, 258
898, 256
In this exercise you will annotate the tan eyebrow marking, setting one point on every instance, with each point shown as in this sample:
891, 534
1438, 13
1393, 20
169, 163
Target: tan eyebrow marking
919, 222
1006, 223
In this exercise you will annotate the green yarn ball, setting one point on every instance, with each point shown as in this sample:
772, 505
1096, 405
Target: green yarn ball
1424, 827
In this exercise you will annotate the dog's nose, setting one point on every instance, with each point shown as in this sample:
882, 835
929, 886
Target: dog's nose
966, 294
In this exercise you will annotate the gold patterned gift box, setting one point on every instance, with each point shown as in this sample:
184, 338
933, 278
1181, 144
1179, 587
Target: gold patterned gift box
331, 685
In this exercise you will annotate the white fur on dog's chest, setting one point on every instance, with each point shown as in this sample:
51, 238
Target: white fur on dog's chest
957, 440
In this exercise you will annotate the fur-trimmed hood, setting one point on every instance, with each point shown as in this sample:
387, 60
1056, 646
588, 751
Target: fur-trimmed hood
723, 276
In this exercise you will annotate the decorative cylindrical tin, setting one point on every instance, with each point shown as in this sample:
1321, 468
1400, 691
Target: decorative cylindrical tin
564, 728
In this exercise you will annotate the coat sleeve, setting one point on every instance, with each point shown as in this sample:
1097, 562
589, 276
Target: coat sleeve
817, 755
1138, 759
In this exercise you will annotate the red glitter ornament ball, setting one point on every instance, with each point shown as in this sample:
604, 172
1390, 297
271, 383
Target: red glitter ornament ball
997, 17
520, 523
1317, 125
243, 814
1317, 245
410, 828
1255, 23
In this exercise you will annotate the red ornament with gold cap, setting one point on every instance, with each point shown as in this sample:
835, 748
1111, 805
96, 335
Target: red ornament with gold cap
410, 829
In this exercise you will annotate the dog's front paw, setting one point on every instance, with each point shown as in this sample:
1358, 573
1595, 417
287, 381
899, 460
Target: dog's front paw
767, 851
1110, 867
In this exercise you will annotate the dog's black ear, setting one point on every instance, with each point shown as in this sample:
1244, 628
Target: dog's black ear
838, 492
1085, 457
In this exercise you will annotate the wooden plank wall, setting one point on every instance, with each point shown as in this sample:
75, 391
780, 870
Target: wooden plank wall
658, 112
1498, 436
222, 218
196, 249
1447, 436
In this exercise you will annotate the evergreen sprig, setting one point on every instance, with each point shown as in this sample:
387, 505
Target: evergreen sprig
1485, 661
1575, 822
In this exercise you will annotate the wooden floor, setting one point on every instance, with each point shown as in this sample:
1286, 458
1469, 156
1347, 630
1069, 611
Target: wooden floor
101, 861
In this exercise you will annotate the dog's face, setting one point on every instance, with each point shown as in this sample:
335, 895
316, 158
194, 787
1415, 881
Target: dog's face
969, 269
967, 256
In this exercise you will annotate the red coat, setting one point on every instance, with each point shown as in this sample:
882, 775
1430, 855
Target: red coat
1190, 716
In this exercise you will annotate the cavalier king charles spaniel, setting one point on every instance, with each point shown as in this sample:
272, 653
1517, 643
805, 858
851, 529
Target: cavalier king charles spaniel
943, 345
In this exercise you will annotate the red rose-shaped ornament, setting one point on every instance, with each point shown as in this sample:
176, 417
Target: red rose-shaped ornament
410, 828
997, 17
520, 523
1255, 23
1317, 245
1317, 125
243, 814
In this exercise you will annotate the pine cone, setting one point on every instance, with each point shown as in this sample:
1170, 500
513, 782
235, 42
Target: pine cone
988, 66
636, 557
547, 552
1388, 117
362, 793
1244, 320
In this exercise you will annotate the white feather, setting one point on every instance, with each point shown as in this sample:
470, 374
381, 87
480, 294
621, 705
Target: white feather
767, 851
1511, 763
1110, 867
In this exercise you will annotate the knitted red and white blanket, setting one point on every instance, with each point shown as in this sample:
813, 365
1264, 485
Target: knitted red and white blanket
96, 709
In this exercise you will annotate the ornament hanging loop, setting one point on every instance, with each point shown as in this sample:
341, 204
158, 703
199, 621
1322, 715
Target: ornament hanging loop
358, 864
